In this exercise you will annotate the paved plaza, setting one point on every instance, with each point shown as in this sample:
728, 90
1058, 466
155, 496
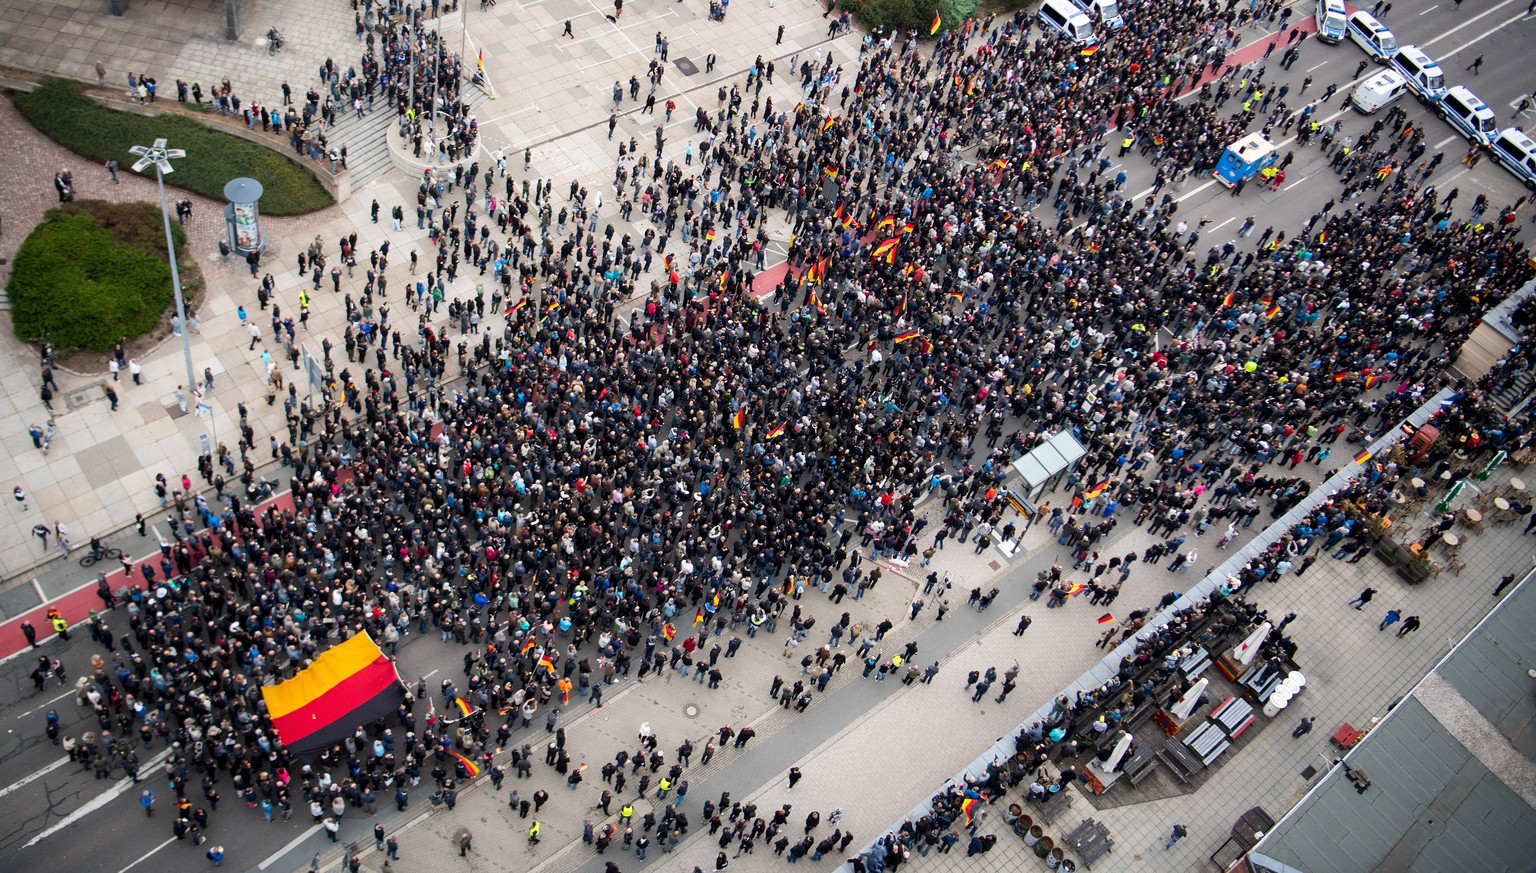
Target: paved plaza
875, 750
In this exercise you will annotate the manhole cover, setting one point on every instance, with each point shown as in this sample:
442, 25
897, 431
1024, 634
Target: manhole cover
1308, 773
691, 710
686, 67
83, 398
994, 565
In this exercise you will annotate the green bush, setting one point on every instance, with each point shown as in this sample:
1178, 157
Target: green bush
94, 272
74, 121
901, 16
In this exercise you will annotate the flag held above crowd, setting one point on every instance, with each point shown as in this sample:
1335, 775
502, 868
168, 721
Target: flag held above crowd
349, 685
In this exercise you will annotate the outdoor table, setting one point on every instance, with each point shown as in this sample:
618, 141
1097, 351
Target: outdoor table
1450, 539
1517, 484
1091, 841
1500, 503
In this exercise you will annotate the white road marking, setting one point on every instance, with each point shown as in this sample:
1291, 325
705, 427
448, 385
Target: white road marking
1223, 224
146, 855
1468, 23
292, 844
1297, 182
1482, 36
33, 777
47, 703
1315, 66
99, 800
1429, 10
1447, 141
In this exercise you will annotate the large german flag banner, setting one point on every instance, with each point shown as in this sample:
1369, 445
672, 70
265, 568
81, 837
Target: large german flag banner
350, 685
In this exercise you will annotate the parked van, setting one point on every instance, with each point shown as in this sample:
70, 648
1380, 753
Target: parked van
1105, 11
1517, 152
1379, 90
1332, 21
1470, 116
1066, 19
1373, 36
1425, 78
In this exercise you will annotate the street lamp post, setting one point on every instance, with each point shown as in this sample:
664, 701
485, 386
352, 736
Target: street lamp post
158, 156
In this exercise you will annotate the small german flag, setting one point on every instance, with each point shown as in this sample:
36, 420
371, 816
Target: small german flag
1227, 300
698, 617
1372, 379
1106, 618
1076, 588
886, 247
1096, 490
816, 302
927, 346
739, 419
529, 646
776, 432
1363, 457
512, 310
1089, 50
957, 294
830, 171
548, 664
907, 337
888, 221
469, 766
838, 212
1340, 376
906, 228
1272, 311
827, 125
937, 22
463, 705
710, 235
553, 305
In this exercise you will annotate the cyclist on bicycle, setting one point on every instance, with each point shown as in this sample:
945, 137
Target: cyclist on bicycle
98, 548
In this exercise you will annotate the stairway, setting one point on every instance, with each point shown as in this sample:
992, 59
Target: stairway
367, 138
1512, 395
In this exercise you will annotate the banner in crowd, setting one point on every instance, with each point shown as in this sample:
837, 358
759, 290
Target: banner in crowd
347, 687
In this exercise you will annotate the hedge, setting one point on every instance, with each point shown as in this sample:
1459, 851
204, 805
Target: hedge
94, 272
901, 16
59, 109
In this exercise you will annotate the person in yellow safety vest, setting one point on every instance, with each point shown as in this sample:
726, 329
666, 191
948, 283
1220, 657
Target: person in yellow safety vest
626, 812
1125, 144
1268, 173
60, 626
663, 787
533, 834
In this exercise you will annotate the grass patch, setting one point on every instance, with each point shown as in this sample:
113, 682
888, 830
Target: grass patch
59, 109
901, 16
95, 272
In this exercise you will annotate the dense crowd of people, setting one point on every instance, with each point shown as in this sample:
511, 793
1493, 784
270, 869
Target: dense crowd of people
575, 494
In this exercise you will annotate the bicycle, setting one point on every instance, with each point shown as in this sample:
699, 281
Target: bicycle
102, 554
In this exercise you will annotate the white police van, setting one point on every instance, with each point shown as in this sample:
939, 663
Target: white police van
1378, 91
1425, 78
1517, 152
1373, 36
1106, 11
1470, 116
1332, 21
1067, 20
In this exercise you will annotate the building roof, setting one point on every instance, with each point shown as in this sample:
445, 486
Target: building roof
1450, 769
